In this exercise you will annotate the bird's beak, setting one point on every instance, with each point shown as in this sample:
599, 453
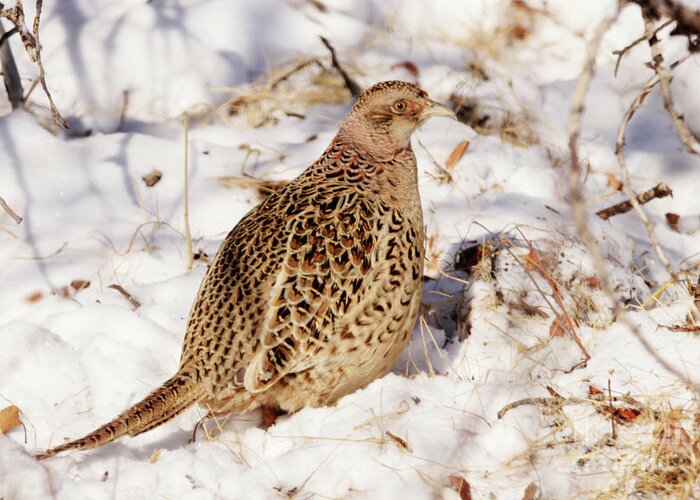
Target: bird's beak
433, 108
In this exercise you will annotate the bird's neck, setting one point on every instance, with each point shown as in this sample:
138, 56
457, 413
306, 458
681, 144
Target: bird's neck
391, 177
376, 141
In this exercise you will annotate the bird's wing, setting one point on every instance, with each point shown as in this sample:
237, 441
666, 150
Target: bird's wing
329, 252
228, 312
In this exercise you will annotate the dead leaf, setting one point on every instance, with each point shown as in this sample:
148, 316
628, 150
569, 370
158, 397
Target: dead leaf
461, 486
614, 182
684, 328
533, 261
627, 415
469, 257
593, 390
557, 328
673, 220
155, 455
312, 137
456, 154
399, 441
408, 66
592, 282
520, 32
530, 492
34, 297
552, 392
675, 438
78, 285
152, 178
9, 419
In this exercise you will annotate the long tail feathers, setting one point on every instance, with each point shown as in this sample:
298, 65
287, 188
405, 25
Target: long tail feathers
170, 399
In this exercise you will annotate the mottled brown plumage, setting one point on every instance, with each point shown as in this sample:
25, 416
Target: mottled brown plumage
315, 292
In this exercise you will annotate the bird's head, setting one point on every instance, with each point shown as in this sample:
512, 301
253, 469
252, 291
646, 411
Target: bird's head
385, 115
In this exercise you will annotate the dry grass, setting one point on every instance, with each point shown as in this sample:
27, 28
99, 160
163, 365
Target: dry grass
640, 446
515, 126
288, 89
662, 459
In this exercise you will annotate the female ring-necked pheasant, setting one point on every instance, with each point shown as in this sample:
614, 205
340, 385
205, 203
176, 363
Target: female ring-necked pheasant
315, 292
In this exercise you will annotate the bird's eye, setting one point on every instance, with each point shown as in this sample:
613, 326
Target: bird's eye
399, 107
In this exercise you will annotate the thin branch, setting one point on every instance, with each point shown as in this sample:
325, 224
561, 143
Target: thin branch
558, 402
534, 262
284, 75
33, 47
186, 216
351, 85
5, 35
620, 53
664, 74
579, 211
57, 118
10, 74
634, 200
659, 191
132, 300
687, 18
9, 211
122, 113
575, 196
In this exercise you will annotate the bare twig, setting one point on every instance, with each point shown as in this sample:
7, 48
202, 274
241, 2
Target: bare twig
688, 19
188, 235
577, 106
664, 74
611, 411
10, 75
272, 85
133, 301
352, 86
558, 402
534, 262
122, 114
9, 211
33, 47
659, 191
57, 118
620, 53
579, 211
634, 201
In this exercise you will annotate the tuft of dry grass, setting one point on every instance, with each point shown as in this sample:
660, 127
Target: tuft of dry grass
288, 89
514, 126
666, 461
517, 21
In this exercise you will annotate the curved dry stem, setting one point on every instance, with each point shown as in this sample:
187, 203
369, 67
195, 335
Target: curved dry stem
626, 182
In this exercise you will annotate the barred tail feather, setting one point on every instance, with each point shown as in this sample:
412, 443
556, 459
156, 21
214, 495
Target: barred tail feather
169, 400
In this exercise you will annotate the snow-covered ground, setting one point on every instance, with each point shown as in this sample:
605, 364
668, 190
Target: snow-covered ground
73, 355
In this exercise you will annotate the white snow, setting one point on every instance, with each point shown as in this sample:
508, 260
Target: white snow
72, 360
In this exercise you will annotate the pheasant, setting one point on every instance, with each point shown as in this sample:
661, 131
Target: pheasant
316, 290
